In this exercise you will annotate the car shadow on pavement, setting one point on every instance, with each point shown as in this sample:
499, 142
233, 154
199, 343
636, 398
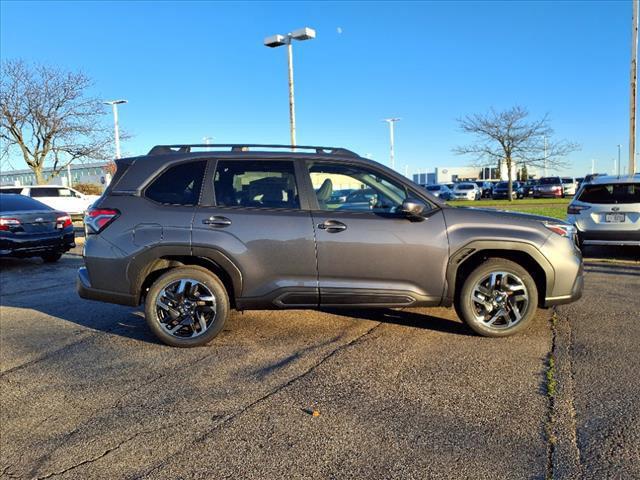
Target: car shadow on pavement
405, 318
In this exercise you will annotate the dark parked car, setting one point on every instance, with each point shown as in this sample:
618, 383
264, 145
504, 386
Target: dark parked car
501, 190
340, 196
486, 187
192, 234
549, 187
29, 228
529, 187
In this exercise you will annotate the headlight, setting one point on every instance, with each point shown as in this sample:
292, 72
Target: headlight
562, 229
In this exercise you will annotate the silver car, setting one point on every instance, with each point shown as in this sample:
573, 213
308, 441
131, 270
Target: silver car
606, 211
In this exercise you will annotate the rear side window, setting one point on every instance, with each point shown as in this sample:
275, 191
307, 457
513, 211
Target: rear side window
256, 184
179, 185
11, 190
20, 203
44, 192
611, 193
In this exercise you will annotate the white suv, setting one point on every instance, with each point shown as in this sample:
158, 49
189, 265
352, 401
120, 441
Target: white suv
466, 191
606, 211
59, 198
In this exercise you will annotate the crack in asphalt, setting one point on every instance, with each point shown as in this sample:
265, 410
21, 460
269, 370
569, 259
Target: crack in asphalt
228, 418
102, 455
565, 460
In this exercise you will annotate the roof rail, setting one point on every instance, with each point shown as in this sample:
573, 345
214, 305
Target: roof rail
242, 147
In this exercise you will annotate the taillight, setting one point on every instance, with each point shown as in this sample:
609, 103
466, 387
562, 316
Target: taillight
97, 219
576, 209
7, 224
63, 221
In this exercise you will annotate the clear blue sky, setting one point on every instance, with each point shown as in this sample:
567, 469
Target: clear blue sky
195, 69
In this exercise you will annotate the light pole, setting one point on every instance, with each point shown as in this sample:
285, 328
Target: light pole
278, 40
114, 105
545, 155
618, 169
633, 87
391, 122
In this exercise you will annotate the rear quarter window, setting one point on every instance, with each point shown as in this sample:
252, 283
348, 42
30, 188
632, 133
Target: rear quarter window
178, 185
611, 193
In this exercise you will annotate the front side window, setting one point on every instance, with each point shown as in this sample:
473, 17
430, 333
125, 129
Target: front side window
179, 185
256, 184
368, 190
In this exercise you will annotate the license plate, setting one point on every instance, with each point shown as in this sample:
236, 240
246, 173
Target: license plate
614, 218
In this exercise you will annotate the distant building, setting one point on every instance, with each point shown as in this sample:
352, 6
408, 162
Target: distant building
80, 173
458, 174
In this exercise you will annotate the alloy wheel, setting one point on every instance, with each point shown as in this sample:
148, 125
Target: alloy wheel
186, 308
499, 300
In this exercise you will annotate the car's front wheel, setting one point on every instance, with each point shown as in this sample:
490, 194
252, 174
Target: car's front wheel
499, 298
187, 307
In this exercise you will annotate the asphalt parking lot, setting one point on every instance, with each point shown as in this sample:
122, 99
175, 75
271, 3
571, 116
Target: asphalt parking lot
87, 392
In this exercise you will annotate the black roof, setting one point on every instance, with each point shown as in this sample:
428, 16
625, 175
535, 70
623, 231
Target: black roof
254, 148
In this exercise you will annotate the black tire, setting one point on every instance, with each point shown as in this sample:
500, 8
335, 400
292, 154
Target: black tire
466, 309
51, 257
221, 309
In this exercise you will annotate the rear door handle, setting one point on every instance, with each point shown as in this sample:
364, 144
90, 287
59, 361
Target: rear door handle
332, 226
217, 221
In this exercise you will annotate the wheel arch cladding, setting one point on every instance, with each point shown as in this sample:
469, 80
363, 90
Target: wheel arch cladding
468, 259
159, 266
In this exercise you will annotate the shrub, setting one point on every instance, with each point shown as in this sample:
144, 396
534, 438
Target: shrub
88, 188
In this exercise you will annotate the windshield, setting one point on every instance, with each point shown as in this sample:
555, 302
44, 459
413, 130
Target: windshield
465, 186
503, 185
611, 193
433, 188
550, 181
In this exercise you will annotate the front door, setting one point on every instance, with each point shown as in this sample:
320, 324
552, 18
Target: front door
368, 252
256, 221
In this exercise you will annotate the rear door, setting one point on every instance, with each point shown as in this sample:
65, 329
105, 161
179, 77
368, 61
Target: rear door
254, 216
370, 253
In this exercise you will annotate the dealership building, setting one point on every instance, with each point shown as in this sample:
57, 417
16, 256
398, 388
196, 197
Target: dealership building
459, 174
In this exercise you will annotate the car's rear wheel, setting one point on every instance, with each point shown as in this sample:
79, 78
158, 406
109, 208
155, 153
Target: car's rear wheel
499, 298
187, 307
51, 257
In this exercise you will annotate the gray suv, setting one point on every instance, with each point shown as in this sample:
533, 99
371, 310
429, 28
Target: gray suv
193, 231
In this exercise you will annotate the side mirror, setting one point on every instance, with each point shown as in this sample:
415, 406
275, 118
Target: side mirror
412, 207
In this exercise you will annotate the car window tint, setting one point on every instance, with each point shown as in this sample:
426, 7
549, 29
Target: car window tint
256, 184
179, 185
44, 192
11, 190
611, 193
370, 191
19, 203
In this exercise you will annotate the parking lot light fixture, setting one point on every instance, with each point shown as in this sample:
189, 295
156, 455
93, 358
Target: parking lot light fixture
391, 122
114, 105
278, 40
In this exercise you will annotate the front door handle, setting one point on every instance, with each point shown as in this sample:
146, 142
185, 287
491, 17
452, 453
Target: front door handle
332, 226
217, 221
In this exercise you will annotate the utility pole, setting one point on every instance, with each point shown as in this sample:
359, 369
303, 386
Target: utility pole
593, 166
391, 122
632, 99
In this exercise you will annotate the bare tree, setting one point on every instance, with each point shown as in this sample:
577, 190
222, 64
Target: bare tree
47, 117
509, 137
